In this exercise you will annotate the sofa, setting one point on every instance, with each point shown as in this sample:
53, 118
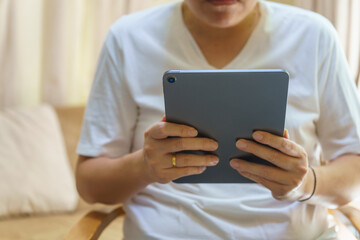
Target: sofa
57, 225
89, 221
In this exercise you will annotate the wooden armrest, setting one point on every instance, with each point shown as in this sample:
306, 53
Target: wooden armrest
353, 214
93, 224
347, 219
341, 221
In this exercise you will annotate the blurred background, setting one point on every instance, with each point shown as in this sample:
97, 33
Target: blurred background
49, 48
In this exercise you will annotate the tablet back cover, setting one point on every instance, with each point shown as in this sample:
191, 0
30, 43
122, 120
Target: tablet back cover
226, 105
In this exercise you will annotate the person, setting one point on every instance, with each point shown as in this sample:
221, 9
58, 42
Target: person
129, 154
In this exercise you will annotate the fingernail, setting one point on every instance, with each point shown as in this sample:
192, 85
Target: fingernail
234, 164
286, 132
203, 169
214, 145
241, 144
258, 136
192, 132
214, 162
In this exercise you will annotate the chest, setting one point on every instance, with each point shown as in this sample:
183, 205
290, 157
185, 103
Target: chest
220, 53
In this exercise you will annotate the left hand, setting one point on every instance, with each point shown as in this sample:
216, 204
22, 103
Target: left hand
287, 182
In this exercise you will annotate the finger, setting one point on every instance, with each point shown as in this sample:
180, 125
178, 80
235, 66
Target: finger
163, 130
279, 191
192, 160
269, 173
280, 143
176, 173
271, 155
163, 119
181, 144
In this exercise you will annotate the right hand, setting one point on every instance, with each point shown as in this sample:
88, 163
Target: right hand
163, 140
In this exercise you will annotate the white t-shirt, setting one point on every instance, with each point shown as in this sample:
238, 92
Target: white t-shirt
323, 116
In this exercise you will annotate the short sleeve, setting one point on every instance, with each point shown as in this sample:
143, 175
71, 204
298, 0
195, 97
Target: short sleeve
338, 125
111, 112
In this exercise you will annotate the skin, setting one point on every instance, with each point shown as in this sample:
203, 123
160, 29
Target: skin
114, 180
219, 18
338, 183
220, 32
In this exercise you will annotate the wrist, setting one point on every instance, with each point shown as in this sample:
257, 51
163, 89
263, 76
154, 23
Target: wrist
309, 185
142, 166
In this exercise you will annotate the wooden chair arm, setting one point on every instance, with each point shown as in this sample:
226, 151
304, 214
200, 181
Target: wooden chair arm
93, 224
347, 219
353, 214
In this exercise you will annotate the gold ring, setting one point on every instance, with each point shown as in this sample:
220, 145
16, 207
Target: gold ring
173, 160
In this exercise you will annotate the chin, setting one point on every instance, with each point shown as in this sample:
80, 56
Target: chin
223, 2
223, 13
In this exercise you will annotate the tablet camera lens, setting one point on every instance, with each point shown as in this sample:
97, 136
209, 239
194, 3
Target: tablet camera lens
171, 79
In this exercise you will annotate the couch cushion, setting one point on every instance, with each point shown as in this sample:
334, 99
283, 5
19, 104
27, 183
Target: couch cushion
70, 119
35, 176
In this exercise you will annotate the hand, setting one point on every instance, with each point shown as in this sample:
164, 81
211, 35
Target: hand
291, 180
163, 140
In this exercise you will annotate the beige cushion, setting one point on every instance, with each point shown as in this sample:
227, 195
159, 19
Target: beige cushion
35, 176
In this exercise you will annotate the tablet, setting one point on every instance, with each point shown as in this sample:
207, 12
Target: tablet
226, 105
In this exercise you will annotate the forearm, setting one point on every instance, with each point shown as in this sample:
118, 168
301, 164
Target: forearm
338, 183
111, 180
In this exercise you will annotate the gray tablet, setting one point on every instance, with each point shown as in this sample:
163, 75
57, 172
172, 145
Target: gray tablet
226, 105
